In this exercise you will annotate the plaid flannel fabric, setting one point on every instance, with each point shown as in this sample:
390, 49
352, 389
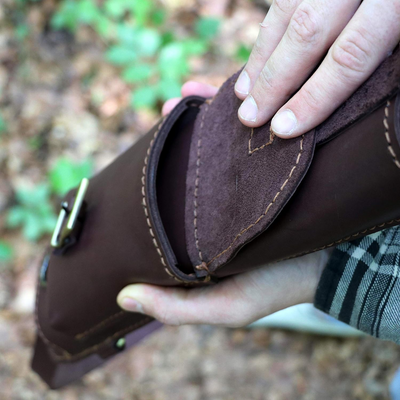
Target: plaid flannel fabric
361, 284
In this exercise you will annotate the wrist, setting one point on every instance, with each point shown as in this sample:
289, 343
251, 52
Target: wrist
314, 265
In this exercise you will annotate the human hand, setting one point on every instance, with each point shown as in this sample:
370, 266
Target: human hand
235, 301
294, 37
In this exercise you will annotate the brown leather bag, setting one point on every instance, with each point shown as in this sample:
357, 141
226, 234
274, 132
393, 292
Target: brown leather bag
202, 197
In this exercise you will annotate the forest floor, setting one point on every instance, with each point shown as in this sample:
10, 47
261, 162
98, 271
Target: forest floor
50, 112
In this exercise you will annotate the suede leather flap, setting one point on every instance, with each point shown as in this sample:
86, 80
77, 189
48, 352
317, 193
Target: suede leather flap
238, 179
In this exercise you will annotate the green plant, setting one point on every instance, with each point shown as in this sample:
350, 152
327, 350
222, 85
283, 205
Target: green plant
67, 174
6, 252
3, 125
34, 212
152, 59
243, 53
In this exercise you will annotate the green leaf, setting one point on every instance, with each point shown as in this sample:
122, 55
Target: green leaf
34, 213
67, 16
115, 8
141, 10
32, 228
15, 217
3, 125
207, 28
144, 97
166, 38
147, 42
105, 27
33, 197
144, 41
172, 61
121, 55
195, 47
137, 73
6, 252
49, 223
243, 53
170, 88
158, 17
67, 174
21, 31
88, 11
126, 34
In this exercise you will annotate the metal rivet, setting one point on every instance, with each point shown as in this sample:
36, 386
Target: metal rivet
120, 343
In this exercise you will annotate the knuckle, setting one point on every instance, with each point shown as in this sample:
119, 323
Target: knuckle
284, 6
165, 317
352, 52
310, 100
265, 80
305, 26
258, 50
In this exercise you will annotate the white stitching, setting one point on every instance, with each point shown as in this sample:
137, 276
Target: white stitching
154, 240
268, 207
387, 136
271, 140
196, 189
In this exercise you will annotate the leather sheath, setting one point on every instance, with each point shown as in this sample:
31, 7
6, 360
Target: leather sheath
202, 197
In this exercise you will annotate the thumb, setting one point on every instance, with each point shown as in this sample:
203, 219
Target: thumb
216, 305
172, 306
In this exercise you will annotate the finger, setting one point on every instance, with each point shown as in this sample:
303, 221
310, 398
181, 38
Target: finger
235, 301
177, 306
271, 31
192, 88
311, 31
169, 105
372, 33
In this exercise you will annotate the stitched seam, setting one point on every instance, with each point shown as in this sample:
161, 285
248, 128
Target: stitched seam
271, 139
387, 136
268, 207
71, 357
93, 329
146, 212
68, 355
196, 189
342, 240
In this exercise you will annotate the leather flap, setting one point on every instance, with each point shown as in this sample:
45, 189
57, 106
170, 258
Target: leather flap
238, 180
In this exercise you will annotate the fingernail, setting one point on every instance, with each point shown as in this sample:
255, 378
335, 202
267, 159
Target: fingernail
248, 110
129, 304
284, 123
243, 83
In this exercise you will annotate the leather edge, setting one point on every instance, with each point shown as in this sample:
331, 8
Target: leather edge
168, 258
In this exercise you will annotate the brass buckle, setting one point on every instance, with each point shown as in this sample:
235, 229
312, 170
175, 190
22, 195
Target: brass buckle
61, 233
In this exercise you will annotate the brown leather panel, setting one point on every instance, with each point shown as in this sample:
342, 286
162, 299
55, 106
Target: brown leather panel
77, 310
238, 179
351, 189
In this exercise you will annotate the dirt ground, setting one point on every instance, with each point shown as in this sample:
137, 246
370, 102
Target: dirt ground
50, 113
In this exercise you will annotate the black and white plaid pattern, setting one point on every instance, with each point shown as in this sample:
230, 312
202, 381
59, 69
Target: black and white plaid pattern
361, 284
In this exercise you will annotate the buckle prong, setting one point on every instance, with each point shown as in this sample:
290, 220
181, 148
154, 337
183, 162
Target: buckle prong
61, 233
